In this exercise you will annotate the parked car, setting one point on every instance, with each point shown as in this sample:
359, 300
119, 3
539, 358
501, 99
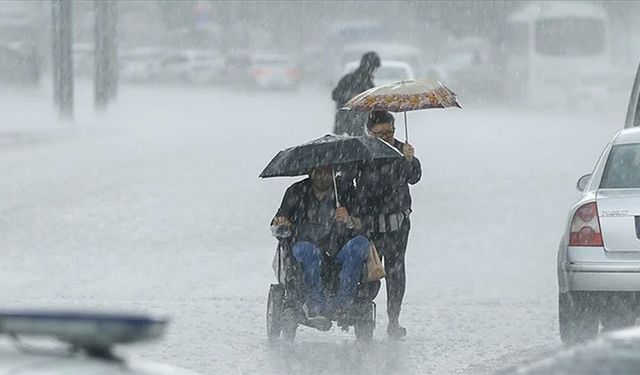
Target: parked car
141, 64
236, 69
390, 71
599, 254
84, 343
472, 71
192, 66
19, 64
615, 353
275, 71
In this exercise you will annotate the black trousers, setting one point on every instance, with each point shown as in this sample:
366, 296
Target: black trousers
392, 247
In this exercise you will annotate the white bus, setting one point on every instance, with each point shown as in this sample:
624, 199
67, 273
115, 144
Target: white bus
558, 53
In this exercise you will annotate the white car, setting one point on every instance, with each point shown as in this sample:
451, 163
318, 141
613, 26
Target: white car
390, 71
599, 254
192, 66
55, 342
275, 71
141, 64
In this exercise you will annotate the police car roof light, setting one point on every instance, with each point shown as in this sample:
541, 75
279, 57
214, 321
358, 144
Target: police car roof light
91, 331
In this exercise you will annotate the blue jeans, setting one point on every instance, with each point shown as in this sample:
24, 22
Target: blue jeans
352, 257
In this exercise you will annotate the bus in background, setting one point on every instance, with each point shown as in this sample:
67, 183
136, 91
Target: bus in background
558, 53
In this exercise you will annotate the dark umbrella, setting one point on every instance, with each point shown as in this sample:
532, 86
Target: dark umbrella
330, 150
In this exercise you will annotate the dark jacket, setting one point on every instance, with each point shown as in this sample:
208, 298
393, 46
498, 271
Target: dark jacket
352, 84
297, 198
383, 185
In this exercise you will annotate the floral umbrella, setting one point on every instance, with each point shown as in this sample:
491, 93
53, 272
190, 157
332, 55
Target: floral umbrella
404, 96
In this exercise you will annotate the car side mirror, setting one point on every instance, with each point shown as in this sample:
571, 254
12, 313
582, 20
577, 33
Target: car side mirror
583, 181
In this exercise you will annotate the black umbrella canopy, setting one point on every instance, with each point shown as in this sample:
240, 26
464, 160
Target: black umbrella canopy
330, 150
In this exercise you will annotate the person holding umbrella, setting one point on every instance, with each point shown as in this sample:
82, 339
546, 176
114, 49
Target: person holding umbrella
385, 207
324, 232
384, 185
352, 84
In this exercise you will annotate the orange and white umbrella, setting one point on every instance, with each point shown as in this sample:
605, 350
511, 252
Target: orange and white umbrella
404, 96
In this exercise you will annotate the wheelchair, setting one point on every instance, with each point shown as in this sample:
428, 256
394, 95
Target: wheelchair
286, 298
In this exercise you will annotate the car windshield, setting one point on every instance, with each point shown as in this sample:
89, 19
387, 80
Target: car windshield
622, 170
390, 73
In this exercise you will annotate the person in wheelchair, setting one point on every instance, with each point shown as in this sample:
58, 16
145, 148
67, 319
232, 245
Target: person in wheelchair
324, 236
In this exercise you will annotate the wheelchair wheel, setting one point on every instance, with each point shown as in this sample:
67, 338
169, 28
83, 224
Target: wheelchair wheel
274, 311
289, 324
366, 323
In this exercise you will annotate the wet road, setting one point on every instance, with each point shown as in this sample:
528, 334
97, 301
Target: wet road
157, 206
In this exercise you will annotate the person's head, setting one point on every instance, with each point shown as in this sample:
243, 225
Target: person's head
370, 62
381, 124
321, 178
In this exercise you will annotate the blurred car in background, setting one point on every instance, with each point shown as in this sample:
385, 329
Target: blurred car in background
68, 342
19, 63
236, 70
141, 64
615, 353
313, 65
390, 71
471, 71
275, 71
192, 66
20, 56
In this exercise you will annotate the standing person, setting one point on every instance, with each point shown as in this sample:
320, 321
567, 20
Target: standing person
352, 84
385, 207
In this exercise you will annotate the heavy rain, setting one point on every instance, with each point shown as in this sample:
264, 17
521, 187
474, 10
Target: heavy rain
146, 148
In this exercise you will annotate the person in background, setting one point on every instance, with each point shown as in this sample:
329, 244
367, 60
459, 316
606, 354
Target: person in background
385, 208
352, 84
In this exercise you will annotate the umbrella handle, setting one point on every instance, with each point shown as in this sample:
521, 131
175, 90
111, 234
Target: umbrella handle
335, 187
406, 129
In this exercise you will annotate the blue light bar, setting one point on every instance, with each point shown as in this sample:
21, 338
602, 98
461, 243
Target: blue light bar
88, 330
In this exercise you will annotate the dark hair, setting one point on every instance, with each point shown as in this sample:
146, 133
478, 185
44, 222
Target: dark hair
370, 61
379, 117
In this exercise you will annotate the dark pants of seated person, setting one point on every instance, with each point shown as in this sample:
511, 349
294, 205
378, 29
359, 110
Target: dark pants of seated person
392, 247
351, 257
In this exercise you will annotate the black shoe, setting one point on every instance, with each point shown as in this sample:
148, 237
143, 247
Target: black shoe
396, 331
317, 321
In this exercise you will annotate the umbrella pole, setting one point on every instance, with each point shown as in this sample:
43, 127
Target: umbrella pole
406, 131
335, 187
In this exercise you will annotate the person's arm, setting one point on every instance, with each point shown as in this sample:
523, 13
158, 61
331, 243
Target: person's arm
341, 94
285, 213
350, 222
413, 169
335, 94
350, 202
